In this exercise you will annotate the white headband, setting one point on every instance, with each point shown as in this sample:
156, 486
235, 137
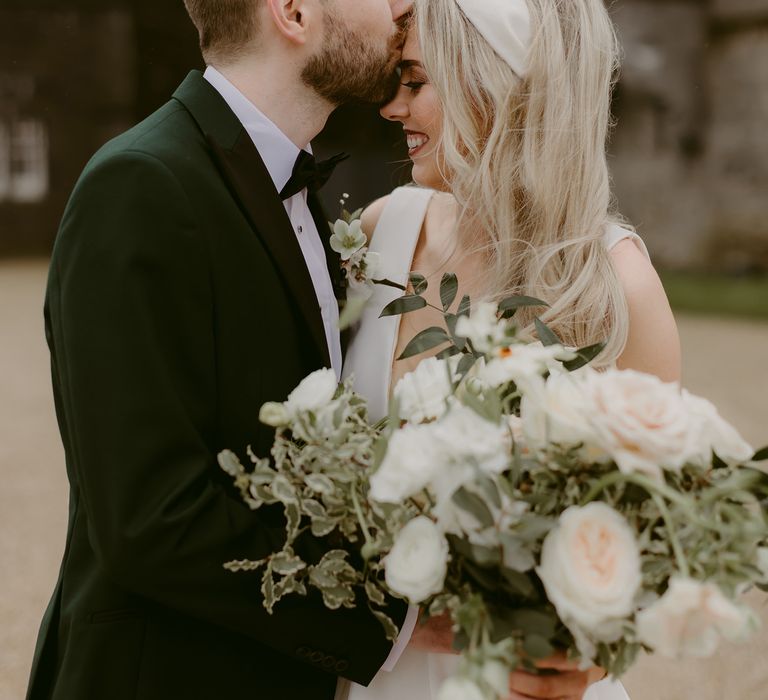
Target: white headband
505, 25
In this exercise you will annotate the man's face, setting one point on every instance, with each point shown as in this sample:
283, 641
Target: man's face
359, 54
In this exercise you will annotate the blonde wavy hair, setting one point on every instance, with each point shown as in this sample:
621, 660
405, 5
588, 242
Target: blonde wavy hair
526, 161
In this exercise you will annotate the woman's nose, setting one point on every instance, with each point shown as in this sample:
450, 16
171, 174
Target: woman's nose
397, 109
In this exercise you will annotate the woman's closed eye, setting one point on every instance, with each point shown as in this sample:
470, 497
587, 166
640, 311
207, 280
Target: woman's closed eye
413, 85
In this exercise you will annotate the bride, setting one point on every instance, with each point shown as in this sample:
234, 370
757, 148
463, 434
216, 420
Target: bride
506, 107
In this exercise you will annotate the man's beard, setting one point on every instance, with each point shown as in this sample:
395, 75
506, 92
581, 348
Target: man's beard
347, 69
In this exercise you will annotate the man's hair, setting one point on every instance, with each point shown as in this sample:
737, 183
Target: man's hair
224, 26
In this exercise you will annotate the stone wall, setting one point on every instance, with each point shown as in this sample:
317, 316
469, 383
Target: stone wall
690, 153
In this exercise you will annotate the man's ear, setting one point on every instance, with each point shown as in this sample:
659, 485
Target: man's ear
290, 18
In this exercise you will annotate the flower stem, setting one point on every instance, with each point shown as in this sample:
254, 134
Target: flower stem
360, 518
682, 562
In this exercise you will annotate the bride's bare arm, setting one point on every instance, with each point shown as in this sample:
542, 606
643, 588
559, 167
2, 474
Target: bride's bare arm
653, 345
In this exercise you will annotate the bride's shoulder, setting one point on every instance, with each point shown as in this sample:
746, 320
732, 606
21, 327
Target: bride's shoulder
653, 345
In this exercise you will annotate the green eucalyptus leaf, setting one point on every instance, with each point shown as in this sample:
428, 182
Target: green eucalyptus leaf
426, 340
404, 305
465, 306
390, 628
546, 335
337, 597
465, 364
323, 526
537, 647
287, 563
474, 505
761, 455
268, 590
449, 288
418, 282
509, 306
585, 356
375, 594
448, 352
518, 583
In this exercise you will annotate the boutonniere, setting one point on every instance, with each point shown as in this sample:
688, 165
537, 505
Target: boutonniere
359, 265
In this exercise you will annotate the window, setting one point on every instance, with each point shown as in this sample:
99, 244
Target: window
24, 161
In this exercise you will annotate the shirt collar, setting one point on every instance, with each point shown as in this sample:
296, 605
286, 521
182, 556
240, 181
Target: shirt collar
277, 151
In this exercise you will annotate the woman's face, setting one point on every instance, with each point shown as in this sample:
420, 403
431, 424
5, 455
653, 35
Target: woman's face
417, 108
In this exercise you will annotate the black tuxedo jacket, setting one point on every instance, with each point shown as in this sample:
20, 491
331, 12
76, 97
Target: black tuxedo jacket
178, 302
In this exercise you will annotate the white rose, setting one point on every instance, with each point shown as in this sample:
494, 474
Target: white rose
469, 438
642, 422
313, 393
518, 363
413, 456
590, 568
416, 566
558, 412
347, 239
274, 415
460, 689
691, 618
423, 393
482, 327
716, 434
496, 675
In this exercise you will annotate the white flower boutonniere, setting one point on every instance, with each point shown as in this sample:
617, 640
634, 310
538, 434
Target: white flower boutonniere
359, 265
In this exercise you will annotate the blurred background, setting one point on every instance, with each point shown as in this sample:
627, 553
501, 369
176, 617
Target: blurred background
690, 164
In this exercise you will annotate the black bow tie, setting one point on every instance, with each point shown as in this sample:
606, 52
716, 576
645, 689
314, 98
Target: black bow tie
307, 172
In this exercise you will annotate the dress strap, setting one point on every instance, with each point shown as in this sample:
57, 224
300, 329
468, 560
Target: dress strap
371, 351
615, 234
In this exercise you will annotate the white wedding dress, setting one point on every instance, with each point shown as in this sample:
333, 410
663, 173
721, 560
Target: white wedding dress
418, 675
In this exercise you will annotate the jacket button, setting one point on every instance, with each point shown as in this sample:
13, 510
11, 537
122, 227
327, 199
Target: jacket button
317, 657
342, 666
303, 652
329, 662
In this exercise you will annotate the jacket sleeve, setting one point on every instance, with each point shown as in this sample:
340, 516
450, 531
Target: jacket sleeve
131, 309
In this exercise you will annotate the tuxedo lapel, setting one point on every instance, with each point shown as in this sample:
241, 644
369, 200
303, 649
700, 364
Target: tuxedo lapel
252, 187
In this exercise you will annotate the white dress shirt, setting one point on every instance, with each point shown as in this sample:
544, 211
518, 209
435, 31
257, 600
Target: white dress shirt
279, 154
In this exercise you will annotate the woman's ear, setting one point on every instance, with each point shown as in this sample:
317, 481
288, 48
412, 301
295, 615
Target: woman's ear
290, 18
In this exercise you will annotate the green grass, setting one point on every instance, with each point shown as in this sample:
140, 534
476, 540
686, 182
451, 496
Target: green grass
718, 295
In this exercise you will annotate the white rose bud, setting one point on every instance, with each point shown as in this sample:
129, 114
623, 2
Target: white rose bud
691, 618
590, 568
460, 689
314, 392
423, 394
274, 415
416, 566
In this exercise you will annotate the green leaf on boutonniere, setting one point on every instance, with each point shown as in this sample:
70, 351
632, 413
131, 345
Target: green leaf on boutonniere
418, 282
585, 356
546, 335
404, 305
509, 306
449, 288
426, 340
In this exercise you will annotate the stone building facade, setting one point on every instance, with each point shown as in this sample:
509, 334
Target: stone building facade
689, 155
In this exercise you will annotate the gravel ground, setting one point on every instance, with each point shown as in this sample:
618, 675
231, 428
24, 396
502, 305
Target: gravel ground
33, 497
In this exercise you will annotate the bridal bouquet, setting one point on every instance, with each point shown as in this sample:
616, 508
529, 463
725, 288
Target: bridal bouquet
542, 504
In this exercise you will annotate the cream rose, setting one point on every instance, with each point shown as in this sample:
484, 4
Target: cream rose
314, 392
590, 567
691, 618
640, 421
716, 434
559, 412
423, 393
416, 566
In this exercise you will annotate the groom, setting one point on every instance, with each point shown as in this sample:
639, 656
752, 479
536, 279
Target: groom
190, 283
